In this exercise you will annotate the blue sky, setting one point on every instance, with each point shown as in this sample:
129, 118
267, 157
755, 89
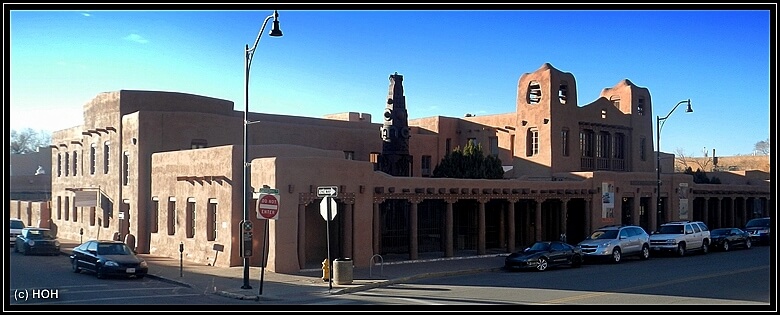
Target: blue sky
453, 61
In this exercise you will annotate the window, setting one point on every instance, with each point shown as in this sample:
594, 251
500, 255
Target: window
532, 142
374, 157
425, 164
75, 211
602, 144
92, 156
493, 143
619, 147
563, 92
67, 163
67, 208
59, 207
155, 215
448, 146
349, 155
565, 142
126, 168
198, 143
586, 143
212, 220
190, 216
640, 106
92, 216
171, 216
534, 93
106, 155
75, 163
59, 164
642, 152
615, 101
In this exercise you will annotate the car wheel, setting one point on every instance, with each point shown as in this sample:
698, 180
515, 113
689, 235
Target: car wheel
645, 252
140, 276
748, 244
542, 266
25, 251
75, 266
726, 246
576, 261
680, 250
616, 255
705, 248
99, 273
16, 248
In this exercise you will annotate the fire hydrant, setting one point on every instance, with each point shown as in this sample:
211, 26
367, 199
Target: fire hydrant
325, 270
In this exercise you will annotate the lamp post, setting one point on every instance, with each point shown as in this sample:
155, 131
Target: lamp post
658, 126
249, 54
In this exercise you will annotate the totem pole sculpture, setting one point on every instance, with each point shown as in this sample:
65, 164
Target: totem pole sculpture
395, 159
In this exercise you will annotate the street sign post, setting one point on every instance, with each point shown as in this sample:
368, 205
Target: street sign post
268, 207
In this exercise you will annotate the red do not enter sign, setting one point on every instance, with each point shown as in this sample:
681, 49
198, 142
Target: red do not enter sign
268, 207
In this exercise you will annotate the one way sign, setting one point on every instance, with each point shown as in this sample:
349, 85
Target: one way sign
327, 191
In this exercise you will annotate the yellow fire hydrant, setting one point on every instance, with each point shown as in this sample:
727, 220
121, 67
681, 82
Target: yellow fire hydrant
325, 270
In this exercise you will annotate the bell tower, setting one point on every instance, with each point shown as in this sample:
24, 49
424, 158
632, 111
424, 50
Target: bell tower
395, 159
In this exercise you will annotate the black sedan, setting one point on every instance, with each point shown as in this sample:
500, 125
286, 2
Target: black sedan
35, 240
727, 238
108, 258
545, 254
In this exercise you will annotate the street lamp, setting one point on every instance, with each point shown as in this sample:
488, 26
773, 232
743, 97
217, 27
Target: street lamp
658, 126
249, 53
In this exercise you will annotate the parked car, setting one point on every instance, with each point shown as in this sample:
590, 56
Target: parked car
760, 230
680, 237
16, 228
613, 242
108, 258
727, 238
545, 254
35, 240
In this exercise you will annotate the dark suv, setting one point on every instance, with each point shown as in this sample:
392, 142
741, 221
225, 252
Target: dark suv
613, 242
759, 229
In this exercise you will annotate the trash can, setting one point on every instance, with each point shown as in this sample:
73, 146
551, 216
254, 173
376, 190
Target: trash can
342, 271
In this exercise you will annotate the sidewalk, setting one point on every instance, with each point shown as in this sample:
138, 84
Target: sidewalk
228, 281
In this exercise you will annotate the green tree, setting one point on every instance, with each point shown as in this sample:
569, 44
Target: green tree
469, 162
28, 140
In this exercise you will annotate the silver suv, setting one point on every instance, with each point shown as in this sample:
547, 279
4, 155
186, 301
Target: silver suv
680, 237
613, 242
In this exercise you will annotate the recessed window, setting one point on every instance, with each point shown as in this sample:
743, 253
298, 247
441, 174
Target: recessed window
565, 142
190, 217
493, 143
425, 165
586, 142
532, 142
171, 216
563, 92
198, 143
604, 113
619, 147
126, 168
640, 106
212, 219
92, 157
75, 163
59, 164
155, 215
67, 163
642, 150
106, 156
349, 155
615, 101
534, 93
602, 144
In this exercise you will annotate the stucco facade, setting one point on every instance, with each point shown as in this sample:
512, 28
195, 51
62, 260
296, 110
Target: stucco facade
167, 170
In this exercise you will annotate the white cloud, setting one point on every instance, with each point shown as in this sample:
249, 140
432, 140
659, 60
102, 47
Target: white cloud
136, 38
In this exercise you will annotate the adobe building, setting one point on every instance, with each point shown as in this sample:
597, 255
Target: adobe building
160, 169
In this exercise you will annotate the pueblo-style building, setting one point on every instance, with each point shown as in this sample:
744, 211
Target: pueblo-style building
160, 169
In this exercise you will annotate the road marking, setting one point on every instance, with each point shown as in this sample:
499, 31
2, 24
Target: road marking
652, 285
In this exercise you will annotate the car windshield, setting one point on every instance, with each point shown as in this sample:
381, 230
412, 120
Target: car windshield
758, 223
671, 229
113, 249
718, 232
17, 224
40, 235
604, 234
539, 246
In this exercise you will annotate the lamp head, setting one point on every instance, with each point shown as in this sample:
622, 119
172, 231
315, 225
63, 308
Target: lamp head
689, 109
275, 31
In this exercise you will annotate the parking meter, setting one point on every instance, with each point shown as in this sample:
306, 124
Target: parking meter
181, 259
81, 235
246, 239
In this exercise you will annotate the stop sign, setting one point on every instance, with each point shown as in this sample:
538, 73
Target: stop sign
268, 207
